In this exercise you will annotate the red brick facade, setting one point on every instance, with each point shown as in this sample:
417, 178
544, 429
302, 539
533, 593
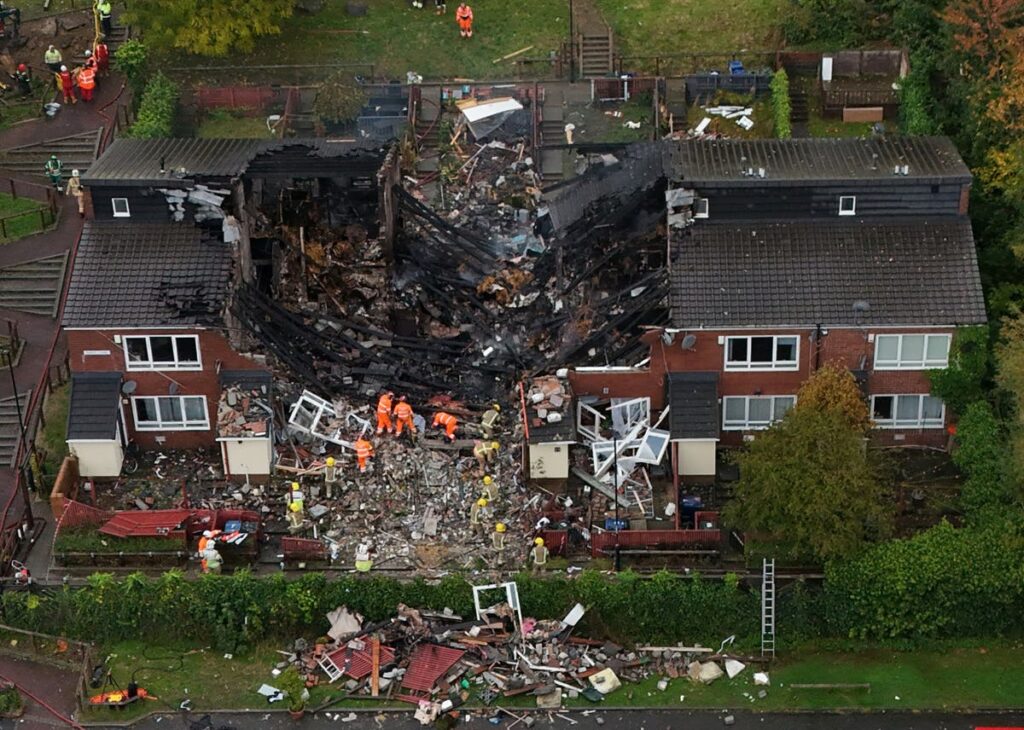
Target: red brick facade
853, 347
215, 354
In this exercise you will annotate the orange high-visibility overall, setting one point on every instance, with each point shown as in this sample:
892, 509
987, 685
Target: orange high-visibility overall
364, 450
403, 418
384, 415
449, 422
465, 17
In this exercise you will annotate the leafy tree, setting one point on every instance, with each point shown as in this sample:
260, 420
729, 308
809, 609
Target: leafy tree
208, 27
157, 109
132, 59
965, 379
339, 99
809, 483
834, 389
1009, 354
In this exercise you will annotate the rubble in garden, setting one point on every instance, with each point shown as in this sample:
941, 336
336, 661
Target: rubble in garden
243, 412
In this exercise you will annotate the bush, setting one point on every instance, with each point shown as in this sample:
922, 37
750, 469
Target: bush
965, 379
132, 59
157, 109
916, 116
780, 104
981, 454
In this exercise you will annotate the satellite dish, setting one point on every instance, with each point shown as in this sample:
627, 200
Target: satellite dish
861, 306
688, 342
172, 389
128, 387
666, 337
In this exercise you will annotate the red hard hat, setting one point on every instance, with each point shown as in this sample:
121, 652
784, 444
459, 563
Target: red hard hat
22, 67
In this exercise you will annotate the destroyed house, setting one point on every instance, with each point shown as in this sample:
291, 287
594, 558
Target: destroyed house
147, 328
761, 294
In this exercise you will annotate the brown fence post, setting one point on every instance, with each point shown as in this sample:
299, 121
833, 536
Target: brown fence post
14, 190
3, 227
42, 218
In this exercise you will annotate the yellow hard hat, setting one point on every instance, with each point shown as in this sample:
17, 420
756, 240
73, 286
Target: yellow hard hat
295, 507
481, 502
330, 461
497, 408
495, 445
295, 486
538, 541
500, 527
488, 480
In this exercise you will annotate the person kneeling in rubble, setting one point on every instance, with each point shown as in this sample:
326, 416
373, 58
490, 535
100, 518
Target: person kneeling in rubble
446, 421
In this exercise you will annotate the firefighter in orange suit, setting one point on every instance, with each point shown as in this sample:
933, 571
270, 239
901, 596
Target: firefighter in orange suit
364, 450
87, 80
403, 417
465, 17
384, 413
448, 421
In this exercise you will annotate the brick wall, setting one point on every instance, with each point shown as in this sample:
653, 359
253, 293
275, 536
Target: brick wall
214, 349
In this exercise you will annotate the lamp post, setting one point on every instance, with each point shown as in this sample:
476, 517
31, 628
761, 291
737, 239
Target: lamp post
615, 498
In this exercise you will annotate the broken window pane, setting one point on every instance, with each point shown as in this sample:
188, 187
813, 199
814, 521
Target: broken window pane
188, 350
737, 349
913, 350
882, 408
785, 349
761, 350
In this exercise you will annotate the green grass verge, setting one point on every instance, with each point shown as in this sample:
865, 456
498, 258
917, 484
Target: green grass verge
21, 217
223, 124
55, 432
89, 540
939, 678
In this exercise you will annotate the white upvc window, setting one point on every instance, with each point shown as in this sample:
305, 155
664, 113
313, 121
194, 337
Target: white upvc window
779, 352
750, 413
120, 207
701, 208
847, 205
908, 411
911, 352
170, 413
162, 352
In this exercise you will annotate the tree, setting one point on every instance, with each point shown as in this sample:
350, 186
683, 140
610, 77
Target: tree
982, 454
1009, 353
965, 379
208, 27
809, 484
132, 59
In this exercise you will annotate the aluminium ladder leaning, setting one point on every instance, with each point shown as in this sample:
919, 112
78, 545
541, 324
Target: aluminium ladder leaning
768, 608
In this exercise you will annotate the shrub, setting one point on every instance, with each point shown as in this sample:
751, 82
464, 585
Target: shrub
916, 116
132, 59
981, 454
157, 109
965, 379
780, 104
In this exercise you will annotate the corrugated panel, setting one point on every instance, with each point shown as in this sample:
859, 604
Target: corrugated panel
152, 523
359, 663
429, 663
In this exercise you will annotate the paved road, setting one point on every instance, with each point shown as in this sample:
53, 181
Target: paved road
640, 720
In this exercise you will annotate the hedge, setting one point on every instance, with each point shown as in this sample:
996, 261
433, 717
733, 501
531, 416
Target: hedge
780, 104
156, 110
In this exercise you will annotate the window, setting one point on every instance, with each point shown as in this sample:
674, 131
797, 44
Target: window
762, 353
120, 206
847, 205
911, 352
907, 411
756, 412
162, 352
171, 413
701, 209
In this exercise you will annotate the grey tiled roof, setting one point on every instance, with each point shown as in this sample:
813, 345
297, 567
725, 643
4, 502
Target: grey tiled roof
724, 160
92, 412
693, 398
147, 274
767, 273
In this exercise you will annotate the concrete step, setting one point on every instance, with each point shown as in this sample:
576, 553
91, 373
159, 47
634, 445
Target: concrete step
10, 428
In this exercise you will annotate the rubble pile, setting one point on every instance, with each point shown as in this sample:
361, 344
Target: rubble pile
548, 401
243, 413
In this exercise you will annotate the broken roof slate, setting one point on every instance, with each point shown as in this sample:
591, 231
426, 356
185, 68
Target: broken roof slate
816, 159
130, 274
768, 273
693, 398
92, 412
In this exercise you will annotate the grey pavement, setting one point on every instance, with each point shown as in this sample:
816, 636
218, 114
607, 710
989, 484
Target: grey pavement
641, 720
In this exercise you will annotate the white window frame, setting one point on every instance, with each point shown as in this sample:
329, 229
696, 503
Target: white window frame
923, 364
126, 213
763, 367
895, 423
746, 425
853, 208
150, 364
697, 202
160, 424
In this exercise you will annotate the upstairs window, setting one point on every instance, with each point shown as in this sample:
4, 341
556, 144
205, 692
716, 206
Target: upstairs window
701, 209
911, 352
762, 353
120, 206
162, 352
847, 205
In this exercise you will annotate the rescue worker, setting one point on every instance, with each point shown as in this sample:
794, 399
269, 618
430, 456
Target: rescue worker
485, 453
440, 6
296, 516
489, 421
490, 488
539, 555
53, 59
55, 171
205, 542
364, 561
476, 515
24, 79
384, 413
74, 188
103, 9
212, 561
464, 15
498, 536
403, 417
364, 450
101, 53
330, 477
446, 421
67, 85
87, 79
15, 16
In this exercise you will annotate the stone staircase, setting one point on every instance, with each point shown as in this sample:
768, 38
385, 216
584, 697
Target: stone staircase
77, 151
10, 429
799, 112
595, 54
33, 286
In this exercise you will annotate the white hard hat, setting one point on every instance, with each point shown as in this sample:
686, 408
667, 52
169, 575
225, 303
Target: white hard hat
63, 68
206, 533
87, 53
74, 173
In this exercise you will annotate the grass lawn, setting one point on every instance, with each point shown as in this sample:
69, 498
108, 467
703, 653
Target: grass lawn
397, 38
651, 27
820, 127
222, 124
21, 217
764, 123
55, 432
90, 540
